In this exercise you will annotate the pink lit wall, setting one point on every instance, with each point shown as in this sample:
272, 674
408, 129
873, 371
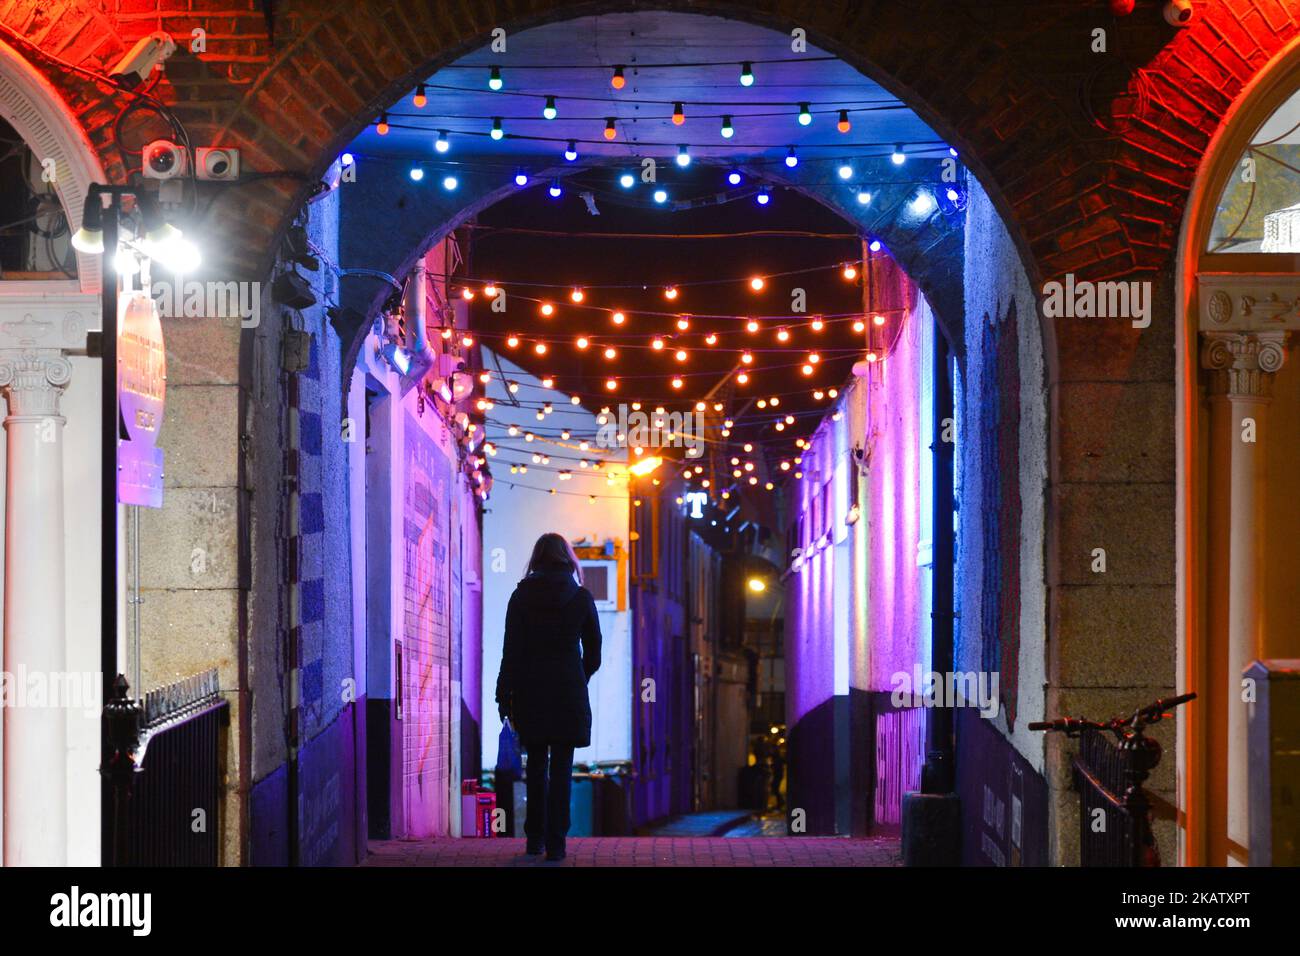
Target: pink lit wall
858, 588
893, 460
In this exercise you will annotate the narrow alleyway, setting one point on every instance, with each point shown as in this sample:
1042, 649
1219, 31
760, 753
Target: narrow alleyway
644, 851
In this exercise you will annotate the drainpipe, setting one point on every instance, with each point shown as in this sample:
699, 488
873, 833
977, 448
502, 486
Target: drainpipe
417, 317
939, 740
932, 816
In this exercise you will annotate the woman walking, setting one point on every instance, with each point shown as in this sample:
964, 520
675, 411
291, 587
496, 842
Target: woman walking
552, 647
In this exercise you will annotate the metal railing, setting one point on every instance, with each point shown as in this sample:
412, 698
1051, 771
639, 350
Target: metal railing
1114, 809
167, 772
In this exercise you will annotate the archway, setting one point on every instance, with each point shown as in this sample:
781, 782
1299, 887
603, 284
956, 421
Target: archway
400, 217
1237, 397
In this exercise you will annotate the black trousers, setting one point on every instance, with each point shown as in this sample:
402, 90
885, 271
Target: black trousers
549, 781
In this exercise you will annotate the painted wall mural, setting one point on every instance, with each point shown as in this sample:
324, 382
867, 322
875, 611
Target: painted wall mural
426, 633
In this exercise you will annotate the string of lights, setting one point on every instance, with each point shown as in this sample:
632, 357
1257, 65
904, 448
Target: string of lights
751, 279
383, 125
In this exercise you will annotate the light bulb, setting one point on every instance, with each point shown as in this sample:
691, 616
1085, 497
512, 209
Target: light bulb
764, 197
733, 178
756, 283
679, 114
494, 79
864, 197
618, 81
791, 159
441, 144
420, 99
521, 179
382, 126
746, 74
555, 189
844, 125
805, 116
627, 180
727, 129
497, 131
610, 129
450, 183
660, 196
571, 151
549, 110
845, 171
897, 157
416, 174
683, 156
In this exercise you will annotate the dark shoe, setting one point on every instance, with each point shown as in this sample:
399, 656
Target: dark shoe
555, 857
534, 849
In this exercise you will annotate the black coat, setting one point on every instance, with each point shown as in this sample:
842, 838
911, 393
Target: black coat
544, 671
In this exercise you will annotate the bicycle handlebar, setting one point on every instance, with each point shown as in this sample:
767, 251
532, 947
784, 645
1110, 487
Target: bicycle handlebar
1149, 714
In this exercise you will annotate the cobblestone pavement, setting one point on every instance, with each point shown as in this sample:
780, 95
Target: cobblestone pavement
644, 851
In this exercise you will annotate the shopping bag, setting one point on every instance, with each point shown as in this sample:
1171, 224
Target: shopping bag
509, 759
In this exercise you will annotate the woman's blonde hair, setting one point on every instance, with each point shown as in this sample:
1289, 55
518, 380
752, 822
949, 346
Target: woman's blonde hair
553, 550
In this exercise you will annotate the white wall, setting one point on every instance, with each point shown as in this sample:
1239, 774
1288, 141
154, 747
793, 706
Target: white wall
994, 279
518, 514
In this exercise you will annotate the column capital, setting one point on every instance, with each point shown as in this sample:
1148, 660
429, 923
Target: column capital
33, 381
1243, 364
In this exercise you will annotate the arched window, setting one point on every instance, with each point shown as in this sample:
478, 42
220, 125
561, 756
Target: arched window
1259, 208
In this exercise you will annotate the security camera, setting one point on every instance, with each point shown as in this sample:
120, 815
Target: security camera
216, 164
1178, 13
163, 159
149, 52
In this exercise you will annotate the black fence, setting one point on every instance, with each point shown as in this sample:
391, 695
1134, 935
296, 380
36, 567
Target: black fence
169, 811
1114, 816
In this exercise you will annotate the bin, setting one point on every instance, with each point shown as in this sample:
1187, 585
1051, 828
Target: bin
581, 807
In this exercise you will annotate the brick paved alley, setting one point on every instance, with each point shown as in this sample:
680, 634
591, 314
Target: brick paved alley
644, 851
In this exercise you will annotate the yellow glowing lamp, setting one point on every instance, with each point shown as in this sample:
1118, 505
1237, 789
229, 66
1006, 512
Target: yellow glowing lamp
645, 466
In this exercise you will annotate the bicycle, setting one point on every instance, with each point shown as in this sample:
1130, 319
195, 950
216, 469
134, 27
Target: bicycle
1116, 773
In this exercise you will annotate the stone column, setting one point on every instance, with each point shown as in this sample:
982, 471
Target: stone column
1242, 366
35, 730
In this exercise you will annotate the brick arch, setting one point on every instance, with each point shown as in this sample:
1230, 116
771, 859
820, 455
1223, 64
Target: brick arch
1000, 84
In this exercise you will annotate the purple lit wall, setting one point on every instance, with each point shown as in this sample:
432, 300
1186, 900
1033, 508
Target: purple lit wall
858, 597
893, 453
